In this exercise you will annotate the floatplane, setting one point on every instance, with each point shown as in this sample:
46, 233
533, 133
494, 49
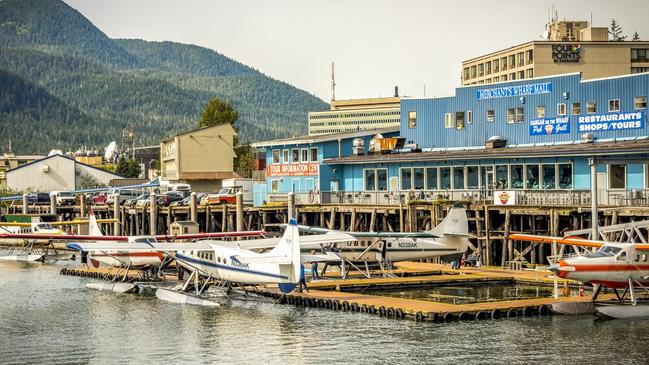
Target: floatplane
450, 238
225, 261
614, 265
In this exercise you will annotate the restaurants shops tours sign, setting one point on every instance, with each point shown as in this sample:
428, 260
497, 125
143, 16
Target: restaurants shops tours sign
611, 121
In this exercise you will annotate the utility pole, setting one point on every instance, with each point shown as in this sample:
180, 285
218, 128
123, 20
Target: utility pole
333, 83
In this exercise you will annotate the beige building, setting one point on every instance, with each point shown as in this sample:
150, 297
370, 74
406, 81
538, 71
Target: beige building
355, 115
570, 46
10, 161
201, 158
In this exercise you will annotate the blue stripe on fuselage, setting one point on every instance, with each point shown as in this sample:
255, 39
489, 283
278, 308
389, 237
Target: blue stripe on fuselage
226, 267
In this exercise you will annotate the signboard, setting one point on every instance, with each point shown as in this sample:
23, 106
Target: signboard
611, 121
505, 197
510, 91
566, 53
293, 169
546, 126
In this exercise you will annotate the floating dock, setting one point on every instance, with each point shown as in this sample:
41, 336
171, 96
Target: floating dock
331, 293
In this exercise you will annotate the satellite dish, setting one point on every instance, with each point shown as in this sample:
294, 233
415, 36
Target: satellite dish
110, 152
546, 35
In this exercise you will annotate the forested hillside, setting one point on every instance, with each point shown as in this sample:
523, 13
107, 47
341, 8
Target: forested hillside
106, 85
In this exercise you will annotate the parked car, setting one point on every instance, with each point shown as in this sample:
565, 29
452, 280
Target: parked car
42, 198
133, 201
124, 195
63, 197
99, 199
162, 200
187, 199
225, 196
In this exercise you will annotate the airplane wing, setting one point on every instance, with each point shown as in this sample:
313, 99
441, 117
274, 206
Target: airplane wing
209, 235
311, 229
62, 237
314, 240
326, 257
458, 234
575, 241
139, 247
70, 223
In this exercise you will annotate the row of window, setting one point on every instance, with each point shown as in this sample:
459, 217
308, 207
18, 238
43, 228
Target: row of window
209, 256
637, 70
497, 65
517, 115
297, 155
549, 176
355, 122
354, 115
640, 55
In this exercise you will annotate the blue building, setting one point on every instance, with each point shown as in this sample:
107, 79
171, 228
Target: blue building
534, 138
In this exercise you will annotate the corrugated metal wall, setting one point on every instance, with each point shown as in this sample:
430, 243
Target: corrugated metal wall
59, 175
430, 131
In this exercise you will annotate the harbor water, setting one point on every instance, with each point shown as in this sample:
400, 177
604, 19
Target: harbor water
49, 318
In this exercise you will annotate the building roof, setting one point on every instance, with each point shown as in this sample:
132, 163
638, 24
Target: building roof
65, 157
324, 137
597, 149
198, 129
20, 157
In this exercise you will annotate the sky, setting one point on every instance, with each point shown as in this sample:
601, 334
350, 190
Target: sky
375, 44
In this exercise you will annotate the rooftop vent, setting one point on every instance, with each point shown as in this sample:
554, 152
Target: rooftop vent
587, 138
358, 146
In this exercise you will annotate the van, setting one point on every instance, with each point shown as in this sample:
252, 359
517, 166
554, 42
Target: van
63, 197
124, 194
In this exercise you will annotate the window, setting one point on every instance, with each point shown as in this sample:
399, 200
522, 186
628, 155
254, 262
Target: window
640, 55
496, 66
275, 156
314, 154
549, 177
565, 176
296, 155
370, 180
305, 155
458, 177
274, 186
512, 76
472, 181
504, 77
497, 79
469, 116
382, 179
614, 105
576, 108
532, 177
503, 62
521, 75
561, 109
488, 67
459, 120
530, 73
640, 102
431, 178
481, 69
512, 61
418, 178
285, 156
591, 107
517, 176
444, 177
637, 70
530, 56
515, 115
502, 177
466, 73
448, 120
473, 72
617, 176
540, 111
406, 178
521, 59
491, 116
412, 119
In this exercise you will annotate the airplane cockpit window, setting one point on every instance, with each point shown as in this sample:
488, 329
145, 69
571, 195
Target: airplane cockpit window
605, 251
644, 258
42, 226
637, 257
622, 256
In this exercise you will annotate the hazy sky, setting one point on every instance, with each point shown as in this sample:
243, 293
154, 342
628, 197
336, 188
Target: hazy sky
375, 44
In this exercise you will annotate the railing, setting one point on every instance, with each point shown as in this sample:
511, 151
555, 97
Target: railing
544, 198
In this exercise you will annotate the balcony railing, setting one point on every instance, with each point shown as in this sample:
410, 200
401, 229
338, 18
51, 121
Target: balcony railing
544, 198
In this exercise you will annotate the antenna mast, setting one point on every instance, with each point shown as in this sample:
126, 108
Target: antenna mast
333, 83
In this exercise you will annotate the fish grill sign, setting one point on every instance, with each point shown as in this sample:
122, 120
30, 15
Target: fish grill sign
546, 126
510, 91
611, 122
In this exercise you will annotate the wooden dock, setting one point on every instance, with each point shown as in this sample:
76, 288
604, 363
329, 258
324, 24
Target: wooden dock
330, 294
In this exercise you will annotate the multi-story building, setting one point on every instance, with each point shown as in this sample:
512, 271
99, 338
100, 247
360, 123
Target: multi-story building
569, 46
201, 158
9, 161
355, 115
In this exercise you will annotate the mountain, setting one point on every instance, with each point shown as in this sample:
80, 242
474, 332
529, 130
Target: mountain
158, 88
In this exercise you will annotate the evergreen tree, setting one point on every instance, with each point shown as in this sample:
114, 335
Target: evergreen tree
616, 31
244, 163
128, 168
218, 112
636, 37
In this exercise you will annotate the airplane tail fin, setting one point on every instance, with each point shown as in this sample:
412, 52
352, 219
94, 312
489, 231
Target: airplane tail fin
289, 247
454, 229
93, 226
